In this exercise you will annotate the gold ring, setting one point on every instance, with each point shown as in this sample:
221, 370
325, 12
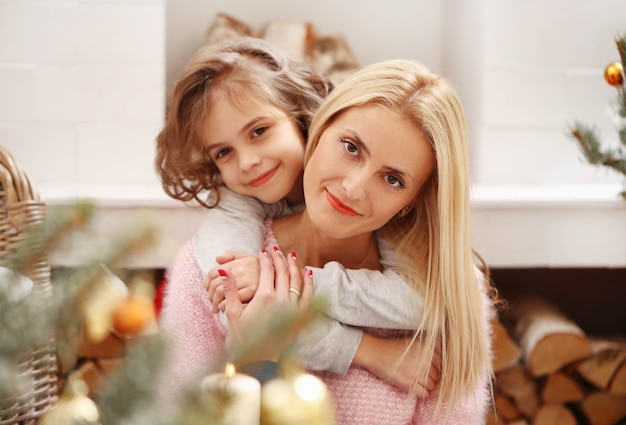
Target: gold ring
295, 291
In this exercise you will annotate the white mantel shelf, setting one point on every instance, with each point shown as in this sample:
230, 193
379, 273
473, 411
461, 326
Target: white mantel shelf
542, 226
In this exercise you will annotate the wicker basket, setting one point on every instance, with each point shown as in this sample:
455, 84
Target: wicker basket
21, 208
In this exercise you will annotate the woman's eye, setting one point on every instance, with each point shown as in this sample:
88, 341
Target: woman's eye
350, 147
222, 152
259, 131
394, 181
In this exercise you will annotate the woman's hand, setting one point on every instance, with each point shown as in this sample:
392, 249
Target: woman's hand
245, 269
283, 292
384, 358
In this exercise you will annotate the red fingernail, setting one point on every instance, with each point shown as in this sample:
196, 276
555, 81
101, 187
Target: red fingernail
293, 255
310, 273
276, 249
222, 273
264, 252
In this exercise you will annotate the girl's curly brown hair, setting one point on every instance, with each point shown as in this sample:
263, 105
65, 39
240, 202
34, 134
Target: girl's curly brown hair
243, 67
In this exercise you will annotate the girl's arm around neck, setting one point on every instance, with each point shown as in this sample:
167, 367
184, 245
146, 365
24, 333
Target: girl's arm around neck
235, 224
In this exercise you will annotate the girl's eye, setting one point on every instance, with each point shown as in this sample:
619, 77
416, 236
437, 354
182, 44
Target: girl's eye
350, 147
394, 181
259, 131
222, 153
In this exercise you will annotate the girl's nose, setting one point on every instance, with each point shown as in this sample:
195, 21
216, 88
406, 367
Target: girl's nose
248, 161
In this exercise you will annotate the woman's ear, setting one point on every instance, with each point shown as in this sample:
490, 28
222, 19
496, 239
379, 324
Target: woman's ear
404, 211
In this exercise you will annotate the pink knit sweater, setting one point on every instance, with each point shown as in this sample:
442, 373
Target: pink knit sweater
198, 336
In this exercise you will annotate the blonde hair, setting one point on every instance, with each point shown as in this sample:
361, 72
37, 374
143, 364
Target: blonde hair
433, 238
244, 67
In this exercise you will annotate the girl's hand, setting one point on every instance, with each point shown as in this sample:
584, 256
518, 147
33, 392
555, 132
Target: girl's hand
282, 290
380, 357
245, 269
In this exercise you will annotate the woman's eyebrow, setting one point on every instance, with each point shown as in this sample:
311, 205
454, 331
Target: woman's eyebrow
363, 146
359, 139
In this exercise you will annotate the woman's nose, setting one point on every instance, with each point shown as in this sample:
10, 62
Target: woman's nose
354, 185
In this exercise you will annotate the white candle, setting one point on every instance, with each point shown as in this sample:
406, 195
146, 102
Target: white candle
243, 396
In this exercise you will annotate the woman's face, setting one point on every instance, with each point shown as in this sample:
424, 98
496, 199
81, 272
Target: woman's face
369, 164
258, 149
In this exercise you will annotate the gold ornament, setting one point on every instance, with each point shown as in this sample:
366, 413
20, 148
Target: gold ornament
73, 407
614, 74
133, 316
104, 297
299, 399
127, 310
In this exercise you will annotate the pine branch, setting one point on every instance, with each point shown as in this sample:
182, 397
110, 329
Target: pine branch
132, 388
594, 154
43, 237
589, 142
621, 47
72, 286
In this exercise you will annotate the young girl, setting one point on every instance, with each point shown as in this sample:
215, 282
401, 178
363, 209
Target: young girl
238, 118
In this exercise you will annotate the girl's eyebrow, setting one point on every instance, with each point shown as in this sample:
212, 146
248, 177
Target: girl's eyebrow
251, 124
245, 129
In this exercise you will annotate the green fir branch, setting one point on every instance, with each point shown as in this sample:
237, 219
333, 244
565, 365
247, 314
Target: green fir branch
132, 388
591, 148
621, 47
72, 285
43, 237
25, 323
588, 141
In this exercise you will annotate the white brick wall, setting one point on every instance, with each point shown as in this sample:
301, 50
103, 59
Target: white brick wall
526, 70
82, 88
83, 82
543, 70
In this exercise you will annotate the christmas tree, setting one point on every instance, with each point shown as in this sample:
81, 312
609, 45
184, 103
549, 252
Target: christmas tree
89, 301
586, 135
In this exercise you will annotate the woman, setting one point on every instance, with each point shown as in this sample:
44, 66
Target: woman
387, 152
238, 119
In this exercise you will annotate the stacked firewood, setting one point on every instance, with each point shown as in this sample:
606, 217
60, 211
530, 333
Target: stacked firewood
330, 55
548, 371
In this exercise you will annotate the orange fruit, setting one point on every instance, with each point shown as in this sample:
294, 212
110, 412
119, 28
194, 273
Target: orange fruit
132, 315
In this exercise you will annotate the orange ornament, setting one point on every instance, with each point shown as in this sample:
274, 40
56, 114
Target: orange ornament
133, 315
613, 74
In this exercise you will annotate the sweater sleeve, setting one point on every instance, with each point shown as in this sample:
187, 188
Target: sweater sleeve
327, 345
369, 298
235, 224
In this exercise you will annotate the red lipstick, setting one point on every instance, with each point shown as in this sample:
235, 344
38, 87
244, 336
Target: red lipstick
339, 206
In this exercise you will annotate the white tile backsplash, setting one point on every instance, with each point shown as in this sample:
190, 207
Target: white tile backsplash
48, 153
86, 78
532, 98
125, 155
82, 88
116, 94
524, 156
18, 93
117, 33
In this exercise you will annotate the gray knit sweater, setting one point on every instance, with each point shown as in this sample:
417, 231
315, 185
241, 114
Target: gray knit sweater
363, 298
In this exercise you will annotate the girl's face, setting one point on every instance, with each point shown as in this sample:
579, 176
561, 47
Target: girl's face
369, 164
258, 149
